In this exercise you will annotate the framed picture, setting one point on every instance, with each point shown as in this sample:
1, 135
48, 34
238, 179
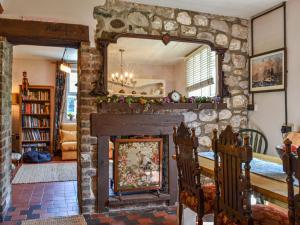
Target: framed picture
267, 71
138, 164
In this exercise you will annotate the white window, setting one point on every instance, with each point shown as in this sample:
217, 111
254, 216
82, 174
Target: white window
71, 97
201, 73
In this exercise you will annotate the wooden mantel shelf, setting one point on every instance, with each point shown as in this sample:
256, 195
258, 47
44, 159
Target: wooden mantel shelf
124, 107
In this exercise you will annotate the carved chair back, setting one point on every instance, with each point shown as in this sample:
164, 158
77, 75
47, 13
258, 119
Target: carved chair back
258, 141
291, 165
186, 144
232, 176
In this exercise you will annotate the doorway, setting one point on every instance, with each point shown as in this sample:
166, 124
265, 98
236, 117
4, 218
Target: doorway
44, 132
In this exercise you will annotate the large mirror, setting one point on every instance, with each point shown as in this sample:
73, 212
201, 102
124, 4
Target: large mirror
149, 68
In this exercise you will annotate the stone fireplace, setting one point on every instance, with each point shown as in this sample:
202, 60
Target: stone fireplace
119, 119
123, 17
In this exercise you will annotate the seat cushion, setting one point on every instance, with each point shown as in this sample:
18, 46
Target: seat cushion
68, 126
66, 135
69, 146
265, 214
262, 215
69, 155
192, 202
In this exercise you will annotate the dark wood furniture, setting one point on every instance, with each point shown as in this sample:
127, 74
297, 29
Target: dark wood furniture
232, 178
258, 141
36, 119
191, 193
232, 182
105, 125
291, 165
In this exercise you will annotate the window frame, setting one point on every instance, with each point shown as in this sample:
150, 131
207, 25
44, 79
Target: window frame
69, 93
217, 77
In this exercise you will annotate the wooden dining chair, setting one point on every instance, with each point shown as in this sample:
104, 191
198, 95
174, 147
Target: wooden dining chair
258, 141
291, 165
233, 187
199, 198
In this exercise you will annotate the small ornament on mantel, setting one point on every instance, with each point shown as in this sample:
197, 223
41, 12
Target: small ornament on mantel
25, 84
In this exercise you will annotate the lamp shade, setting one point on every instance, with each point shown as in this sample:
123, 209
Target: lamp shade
14, 98
64, 67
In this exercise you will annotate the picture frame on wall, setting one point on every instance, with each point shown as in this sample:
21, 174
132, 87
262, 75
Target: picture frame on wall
268, 71
137, 164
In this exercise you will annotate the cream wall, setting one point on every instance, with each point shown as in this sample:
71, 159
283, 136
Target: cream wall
39, 72
174, 75
269, 115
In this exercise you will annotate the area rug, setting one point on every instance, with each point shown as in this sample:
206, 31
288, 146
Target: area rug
72, 220
50, 172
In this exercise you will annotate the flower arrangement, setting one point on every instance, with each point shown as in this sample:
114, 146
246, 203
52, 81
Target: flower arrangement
146, 101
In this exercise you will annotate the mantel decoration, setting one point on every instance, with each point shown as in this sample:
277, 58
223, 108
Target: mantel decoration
147, 102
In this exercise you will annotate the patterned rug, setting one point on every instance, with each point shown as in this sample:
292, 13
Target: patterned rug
50, 172
72, 220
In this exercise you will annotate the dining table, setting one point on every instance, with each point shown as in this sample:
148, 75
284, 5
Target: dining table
270, 184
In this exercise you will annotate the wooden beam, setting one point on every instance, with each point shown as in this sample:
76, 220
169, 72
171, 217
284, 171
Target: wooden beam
43, 33
1, 9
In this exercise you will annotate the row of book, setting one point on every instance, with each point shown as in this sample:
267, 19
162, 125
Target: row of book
41, 147
35, 108
37, 95
36, 135
35, 122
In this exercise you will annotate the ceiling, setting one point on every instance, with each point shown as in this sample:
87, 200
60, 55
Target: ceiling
81, 12
236, 8
144, 51
46, 53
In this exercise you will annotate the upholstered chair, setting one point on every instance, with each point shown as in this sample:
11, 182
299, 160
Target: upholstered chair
199, 198
233, 187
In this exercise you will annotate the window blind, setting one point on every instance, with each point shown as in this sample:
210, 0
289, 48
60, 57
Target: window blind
200, 69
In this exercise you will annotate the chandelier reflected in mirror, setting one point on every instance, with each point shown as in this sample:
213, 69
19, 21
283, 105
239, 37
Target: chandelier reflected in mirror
124, 77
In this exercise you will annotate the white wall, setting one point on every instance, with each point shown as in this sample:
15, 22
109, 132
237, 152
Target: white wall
293, 43
65, 11
269, 115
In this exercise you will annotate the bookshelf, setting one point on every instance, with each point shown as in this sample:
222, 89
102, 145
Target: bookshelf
36, 119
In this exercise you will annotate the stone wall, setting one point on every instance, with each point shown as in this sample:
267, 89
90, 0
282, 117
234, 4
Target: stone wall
116, 16
90, 62
5, 123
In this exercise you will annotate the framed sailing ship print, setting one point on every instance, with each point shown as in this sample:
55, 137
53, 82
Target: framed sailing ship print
267, 71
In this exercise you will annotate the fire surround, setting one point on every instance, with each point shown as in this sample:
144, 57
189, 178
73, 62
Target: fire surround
106, 125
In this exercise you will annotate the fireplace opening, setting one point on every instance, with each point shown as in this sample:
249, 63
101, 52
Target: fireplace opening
138, 171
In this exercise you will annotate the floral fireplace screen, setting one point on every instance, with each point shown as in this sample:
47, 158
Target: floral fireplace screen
138, 164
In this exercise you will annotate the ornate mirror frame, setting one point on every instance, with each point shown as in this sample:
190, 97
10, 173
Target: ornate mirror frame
100, 86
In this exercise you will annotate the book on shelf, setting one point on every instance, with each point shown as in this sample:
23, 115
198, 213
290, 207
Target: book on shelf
35, 147
36, 114
37, 95
35, 122
35, 108
36, 135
